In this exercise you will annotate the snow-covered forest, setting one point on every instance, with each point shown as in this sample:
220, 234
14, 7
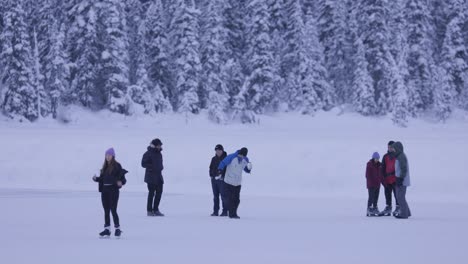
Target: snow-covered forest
234, 59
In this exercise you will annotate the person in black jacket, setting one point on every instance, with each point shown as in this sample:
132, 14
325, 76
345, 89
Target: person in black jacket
111, 179
152, 161
217, 181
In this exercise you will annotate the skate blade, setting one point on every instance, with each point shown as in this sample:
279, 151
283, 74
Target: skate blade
104, 237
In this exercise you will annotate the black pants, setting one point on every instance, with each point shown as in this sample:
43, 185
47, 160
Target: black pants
218, 190
233, 197
373, 197
110, 199
389, 188
154, 197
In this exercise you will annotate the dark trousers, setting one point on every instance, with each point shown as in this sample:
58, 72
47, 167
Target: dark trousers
373, 197
404, 207
218, 190
389, 188
233, 195
154, 197
110, 199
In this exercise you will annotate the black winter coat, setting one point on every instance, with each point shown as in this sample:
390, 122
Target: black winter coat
215, 161
152, 161
117, 174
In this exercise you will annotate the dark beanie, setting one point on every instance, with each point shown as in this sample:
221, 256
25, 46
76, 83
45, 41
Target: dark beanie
391, 142
219, 147
243, 151
156, 142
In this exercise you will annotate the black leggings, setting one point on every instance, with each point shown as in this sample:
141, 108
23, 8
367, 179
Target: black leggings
373, 197
110, 199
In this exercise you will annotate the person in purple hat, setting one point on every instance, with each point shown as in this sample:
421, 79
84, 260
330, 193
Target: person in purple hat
374, 179
111, 179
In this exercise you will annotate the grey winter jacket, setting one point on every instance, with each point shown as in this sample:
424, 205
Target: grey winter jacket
401, 164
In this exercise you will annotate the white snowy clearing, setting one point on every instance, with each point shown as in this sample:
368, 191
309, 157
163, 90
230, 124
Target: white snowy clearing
304, 202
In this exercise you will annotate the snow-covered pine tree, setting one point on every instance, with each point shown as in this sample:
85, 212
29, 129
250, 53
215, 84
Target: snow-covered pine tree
400, 98
141, 87
134, 14
234, 71
50, 28
363, 96
56, 71
455, 57
157, 51
19, 96
372, 17
42, 99
314, 76
84, 49
333, 32
293, 55
307, 80
278, 23
186, 57
235, 25
443, 95
114, 57
419, 59
400, 102
258, 90
213, 94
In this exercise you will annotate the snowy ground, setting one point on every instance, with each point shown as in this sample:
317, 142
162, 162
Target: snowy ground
304, 202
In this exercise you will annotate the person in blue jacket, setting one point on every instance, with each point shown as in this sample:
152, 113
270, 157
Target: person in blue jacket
234, 163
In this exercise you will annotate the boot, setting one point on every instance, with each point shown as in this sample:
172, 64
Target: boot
397, 211
149, 213
158, 213
105, 233
386, 212
224, 213
118, 232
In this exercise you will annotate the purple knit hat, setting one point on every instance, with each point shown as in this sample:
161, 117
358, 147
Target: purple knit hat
376, 155
111, 152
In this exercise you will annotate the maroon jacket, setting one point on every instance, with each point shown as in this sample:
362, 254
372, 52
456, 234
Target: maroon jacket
374, 174
388, 169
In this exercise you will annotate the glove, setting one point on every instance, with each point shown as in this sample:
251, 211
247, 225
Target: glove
399, 181
249, 166
220, 172
218, 177
94, 178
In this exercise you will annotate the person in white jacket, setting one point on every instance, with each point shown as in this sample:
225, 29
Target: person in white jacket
234, 163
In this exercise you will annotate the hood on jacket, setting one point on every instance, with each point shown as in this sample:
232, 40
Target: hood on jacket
398, 146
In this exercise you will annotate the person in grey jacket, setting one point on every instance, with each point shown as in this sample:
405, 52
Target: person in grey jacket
234, 163
403, 180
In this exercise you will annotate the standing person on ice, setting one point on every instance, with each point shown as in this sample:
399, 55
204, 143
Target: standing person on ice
374, 179
234, 163
403, 180
217, 181
111, 179
152, 161
389, 182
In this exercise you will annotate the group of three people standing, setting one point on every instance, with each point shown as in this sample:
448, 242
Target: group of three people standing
226, 171
393, 174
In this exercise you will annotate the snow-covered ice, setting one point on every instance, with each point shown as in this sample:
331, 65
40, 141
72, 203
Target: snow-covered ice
304, 202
